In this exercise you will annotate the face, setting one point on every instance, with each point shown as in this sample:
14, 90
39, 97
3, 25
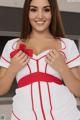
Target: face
40, 15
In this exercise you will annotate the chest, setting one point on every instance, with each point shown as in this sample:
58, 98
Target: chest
38, 47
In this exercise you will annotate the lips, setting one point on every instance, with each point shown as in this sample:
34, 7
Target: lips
40, 22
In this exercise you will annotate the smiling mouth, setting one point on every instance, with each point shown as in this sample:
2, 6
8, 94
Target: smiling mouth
40, 22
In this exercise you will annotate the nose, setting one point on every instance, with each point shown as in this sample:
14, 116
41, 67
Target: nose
40, 14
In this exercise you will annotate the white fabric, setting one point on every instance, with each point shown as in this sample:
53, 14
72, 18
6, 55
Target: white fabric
71, 53
5, 57
63, 104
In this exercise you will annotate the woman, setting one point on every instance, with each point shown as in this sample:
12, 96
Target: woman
40, 60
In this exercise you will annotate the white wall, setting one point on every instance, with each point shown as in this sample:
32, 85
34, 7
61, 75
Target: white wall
69, 5
12, 3
65, 5
5, 111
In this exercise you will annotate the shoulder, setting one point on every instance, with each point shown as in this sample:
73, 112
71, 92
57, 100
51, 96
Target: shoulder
13, 41
67, 40
68, 43
11, 44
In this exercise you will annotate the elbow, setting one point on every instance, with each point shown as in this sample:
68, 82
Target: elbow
3, 90
2, 93
77, 92
76, 89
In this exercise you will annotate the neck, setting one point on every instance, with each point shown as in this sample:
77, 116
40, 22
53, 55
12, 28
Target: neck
40, 35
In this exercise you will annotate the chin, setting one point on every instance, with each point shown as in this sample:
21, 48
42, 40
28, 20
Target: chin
40, 29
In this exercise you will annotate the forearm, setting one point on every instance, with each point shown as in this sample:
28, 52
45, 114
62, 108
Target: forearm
71, 81
6, 80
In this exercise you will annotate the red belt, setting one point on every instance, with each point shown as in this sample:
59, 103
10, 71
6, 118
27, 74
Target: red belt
36, 77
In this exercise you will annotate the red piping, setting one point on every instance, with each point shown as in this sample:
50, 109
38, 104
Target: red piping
33, 103
73, 59
15, 116
5, 59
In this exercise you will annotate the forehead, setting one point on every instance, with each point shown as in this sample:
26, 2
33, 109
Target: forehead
39, 2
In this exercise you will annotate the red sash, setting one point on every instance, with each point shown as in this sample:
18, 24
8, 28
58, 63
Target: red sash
37, 77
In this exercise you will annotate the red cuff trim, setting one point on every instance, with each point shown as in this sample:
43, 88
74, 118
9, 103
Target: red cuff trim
5, 59
73, 59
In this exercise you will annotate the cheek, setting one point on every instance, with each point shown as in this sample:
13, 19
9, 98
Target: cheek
31, 16
48, 17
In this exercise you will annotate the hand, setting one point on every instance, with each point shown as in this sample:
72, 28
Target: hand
19, 61
56, 60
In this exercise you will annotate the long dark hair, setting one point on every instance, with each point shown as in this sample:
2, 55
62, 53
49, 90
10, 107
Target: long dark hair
56, 27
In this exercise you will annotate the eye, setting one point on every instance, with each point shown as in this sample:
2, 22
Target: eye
47, 10
33, 10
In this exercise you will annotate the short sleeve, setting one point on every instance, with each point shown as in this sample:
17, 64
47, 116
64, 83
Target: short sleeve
73, 55
5, 57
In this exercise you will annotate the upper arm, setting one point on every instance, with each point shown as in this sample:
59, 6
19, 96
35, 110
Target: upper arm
76, 72
2, 71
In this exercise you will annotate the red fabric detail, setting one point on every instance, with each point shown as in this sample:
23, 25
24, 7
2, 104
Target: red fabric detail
5, 59
29, 68
41, 101
37, 65
12, 54
15, 116
50, 101
33, 103
36, 77
32, 100
73, 59
22, 47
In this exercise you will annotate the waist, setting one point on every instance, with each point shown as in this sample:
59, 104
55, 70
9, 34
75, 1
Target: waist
37, 77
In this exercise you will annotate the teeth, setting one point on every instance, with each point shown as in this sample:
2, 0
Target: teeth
40, 22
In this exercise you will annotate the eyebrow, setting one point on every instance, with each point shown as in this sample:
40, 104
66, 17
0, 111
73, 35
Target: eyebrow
36, 6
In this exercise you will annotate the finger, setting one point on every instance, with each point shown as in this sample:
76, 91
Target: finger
49, 57
23, 55
25, 59
19, 53
55, 52
48, 61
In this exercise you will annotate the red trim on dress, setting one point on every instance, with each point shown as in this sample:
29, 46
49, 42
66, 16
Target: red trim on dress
5, 59
29, 68
46, 67
37, 77
40, 92
23, 48
49, 95
41, 101
15, 116
73, 59
32, 96
50, 101
33, 103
